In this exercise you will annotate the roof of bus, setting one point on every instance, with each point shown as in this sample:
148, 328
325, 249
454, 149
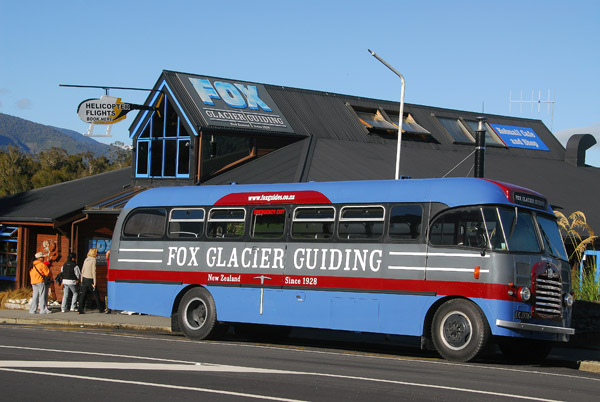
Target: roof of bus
450, 191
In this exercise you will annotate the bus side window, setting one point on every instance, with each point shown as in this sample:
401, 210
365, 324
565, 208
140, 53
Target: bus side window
145, 223
226, 223
463, 227
365, 222
405, 222
268, 223
186, 223
313, 222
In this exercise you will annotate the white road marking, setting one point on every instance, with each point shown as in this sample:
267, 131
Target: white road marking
137, 366
10, 365
151, 384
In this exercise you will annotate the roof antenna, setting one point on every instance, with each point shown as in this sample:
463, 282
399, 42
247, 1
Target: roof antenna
539, 102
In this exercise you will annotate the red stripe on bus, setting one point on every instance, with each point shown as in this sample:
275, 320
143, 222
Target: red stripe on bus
334, 283
274, 197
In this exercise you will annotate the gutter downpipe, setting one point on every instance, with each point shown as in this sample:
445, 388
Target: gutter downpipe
86, 217
401, 116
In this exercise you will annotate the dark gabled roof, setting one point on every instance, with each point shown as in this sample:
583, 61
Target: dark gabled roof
328, 115
567, 186
334, 145
59, 201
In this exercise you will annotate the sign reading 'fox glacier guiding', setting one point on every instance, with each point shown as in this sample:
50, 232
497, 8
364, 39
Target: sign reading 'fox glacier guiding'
236, 104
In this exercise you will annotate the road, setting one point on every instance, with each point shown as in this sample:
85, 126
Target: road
53, 363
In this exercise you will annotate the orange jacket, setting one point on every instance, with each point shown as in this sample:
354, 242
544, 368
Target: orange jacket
34, 275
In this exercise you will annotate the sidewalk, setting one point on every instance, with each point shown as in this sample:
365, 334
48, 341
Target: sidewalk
571, 355
93, 318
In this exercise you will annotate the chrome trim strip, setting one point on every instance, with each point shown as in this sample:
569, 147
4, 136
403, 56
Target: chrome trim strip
535, 327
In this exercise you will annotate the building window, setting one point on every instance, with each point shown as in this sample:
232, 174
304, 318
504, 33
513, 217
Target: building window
374, 121
163, 147
223, 152
385, 122
8, 253
491, 138
456, 129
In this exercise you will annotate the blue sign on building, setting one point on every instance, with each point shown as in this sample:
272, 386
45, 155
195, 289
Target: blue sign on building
519, 137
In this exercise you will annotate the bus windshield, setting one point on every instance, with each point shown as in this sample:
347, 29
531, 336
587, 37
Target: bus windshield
551, 237
519, 229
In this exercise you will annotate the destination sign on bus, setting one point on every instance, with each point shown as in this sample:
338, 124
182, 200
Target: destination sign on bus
530, 200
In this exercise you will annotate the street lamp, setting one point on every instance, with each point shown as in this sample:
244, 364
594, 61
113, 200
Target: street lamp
401, 117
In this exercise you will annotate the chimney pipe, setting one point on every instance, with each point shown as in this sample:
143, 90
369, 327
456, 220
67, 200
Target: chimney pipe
480, 149
577, 145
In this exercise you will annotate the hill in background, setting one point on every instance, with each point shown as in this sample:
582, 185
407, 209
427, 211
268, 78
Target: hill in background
31, 138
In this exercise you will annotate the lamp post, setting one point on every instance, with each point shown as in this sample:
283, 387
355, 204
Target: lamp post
401, 117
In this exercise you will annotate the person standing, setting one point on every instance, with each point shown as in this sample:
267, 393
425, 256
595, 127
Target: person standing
71, 274
88, 281
38, 271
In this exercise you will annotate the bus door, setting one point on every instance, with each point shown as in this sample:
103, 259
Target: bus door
458, 247
405, 253
265, 253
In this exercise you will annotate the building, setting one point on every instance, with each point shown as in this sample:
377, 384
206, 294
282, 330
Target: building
207, 130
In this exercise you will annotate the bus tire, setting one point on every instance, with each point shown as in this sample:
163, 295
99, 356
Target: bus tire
197, 314
459, 330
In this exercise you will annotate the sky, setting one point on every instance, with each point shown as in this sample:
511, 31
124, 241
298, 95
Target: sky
465, 55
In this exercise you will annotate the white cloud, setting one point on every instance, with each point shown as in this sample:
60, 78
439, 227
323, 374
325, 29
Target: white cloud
24, 103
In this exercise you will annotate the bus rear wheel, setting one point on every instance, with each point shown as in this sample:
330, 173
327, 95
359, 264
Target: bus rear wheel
459, 330
197, 314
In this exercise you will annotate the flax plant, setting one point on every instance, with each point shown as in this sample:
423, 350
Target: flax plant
581, 236
576, 230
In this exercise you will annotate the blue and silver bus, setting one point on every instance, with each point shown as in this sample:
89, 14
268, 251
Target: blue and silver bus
458, 262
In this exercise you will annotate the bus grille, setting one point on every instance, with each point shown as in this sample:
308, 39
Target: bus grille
548, 296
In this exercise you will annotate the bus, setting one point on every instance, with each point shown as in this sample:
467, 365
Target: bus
462, 263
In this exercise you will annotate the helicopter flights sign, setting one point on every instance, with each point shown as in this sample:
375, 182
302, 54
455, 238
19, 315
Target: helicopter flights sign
106, 110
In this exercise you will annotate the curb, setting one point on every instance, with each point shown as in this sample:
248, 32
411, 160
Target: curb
589, 366
93, 324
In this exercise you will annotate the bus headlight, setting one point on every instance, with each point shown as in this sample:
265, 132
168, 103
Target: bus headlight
524, 294
568, 299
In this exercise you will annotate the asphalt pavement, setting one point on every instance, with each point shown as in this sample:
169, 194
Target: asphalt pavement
583, 355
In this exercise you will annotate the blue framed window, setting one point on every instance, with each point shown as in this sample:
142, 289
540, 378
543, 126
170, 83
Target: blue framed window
163, 147
8, 253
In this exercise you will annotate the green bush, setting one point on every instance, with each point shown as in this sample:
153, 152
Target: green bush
585, 286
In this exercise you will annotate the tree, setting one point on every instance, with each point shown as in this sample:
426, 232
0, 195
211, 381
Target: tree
16, 169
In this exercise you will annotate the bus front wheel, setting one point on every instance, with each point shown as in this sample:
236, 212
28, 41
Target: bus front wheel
459, 330
197, 314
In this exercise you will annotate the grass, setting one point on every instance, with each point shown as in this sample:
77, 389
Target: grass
586, 287
15, 294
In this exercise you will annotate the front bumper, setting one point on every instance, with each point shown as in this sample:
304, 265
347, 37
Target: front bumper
548, 329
